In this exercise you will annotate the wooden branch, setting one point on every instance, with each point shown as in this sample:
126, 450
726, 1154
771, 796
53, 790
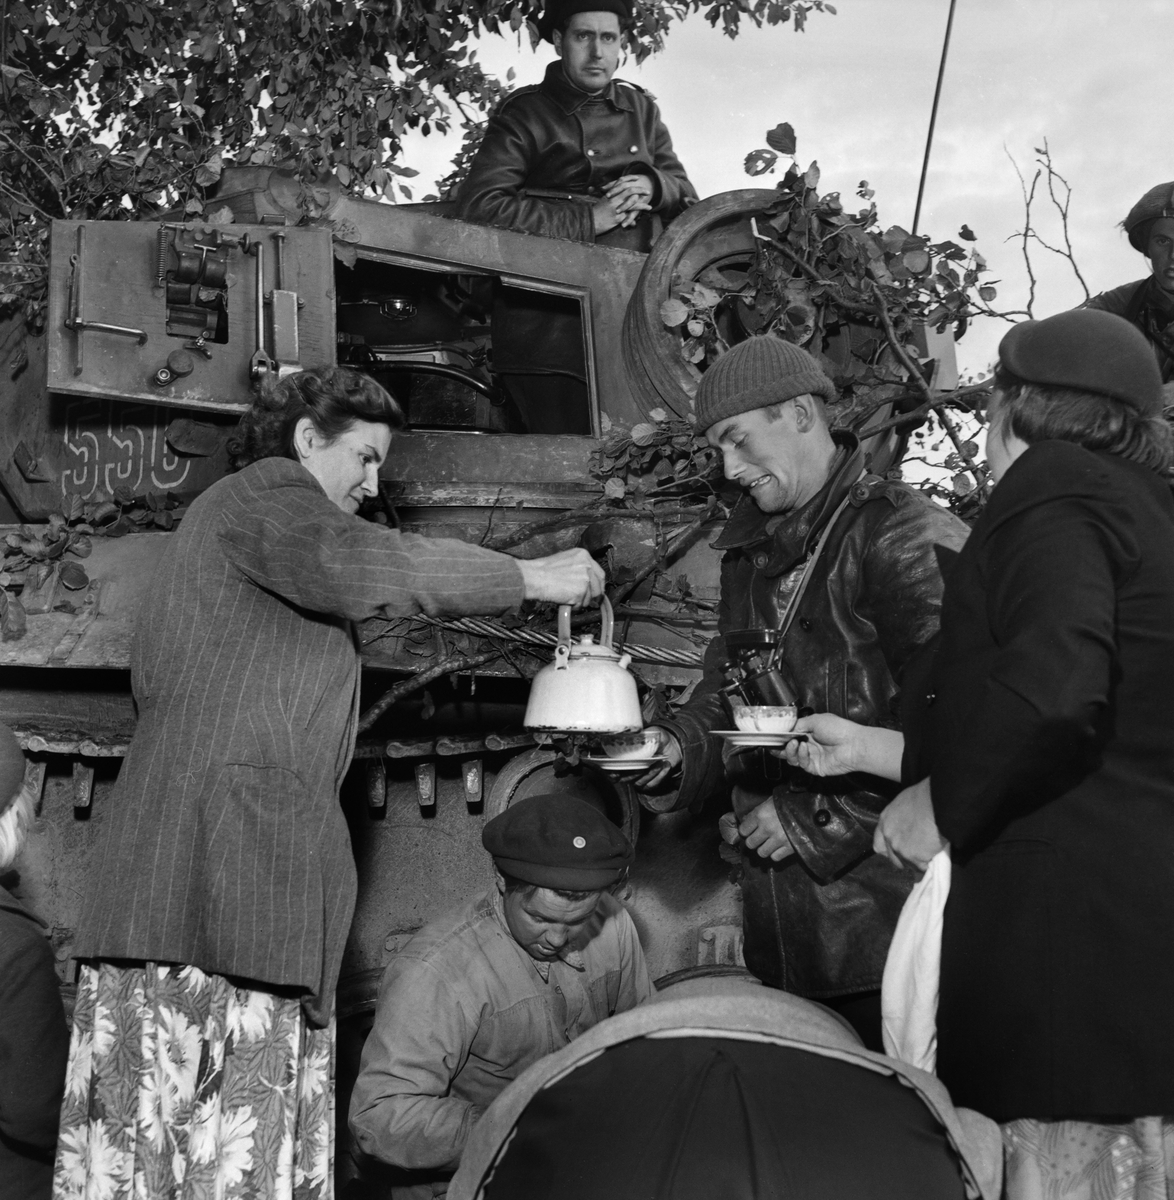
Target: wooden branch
49, 178
810, 272
919, 382
924, 409
675, 544
458, 662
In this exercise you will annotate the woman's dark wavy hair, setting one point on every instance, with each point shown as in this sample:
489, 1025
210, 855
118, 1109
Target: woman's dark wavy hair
334, 398
1038, 412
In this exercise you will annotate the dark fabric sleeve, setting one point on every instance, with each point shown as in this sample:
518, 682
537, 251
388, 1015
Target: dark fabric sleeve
900, 593
673, 192
34, 1041
1030, 731
1119, 300
294, 542
493, 192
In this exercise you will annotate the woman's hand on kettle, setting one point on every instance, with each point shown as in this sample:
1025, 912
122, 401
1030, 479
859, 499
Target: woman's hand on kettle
569, 577
667, 747
837, 746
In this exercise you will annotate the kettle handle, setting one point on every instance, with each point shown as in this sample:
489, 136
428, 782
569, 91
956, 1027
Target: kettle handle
608, 622
607, 626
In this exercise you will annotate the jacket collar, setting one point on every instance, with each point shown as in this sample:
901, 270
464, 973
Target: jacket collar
9, 903
570, 99
794, 533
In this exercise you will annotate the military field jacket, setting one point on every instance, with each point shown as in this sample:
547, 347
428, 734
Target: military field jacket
463, 1010
553, 138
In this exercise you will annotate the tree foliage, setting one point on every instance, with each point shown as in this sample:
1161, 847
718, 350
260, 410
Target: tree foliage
125, 108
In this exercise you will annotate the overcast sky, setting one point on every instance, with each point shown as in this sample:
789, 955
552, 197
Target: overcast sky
1090, 76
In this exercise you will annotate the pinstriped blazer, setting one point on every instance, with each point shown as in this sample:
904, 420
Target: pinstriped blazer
224, 845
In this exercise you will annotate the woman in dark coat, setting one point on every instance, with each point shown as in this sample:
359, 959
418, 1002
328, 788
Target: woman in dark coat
1047, 735
222, 885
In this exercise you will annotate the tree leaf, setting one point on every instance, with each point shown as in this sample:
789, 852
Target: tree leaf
782, 139
967, 234
614, 489
988, 293
696, 328
73, 576
758, 162
673, 313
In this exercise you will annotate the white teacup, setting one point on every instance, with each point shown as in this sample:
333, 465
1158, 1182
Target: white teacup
765, 718
641, 744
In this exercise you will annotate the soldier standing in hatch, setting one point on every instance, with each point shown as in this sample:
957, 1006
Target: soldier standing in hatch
581, 156
1149, 303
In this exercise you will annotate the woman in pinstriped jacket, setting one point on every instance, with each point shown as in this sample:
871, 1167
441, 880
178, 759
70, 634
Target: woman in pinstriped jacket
223, 886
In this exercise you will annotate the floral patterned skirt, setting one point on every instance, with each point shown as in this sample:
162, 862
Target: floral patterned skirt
1080, 1160
183, 1086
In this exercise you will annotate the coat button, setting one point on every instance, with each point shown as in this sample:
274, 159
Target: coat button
822, 817
804, 623
590, 153
633, 149
760, 560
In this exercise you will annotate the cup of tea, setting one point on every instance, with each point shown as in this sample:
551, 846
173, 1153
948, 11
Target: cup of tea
765, 718
632, 746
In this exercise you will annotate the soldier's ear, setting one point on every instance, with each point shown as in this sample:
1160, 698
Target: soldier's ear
808, 412
499, 879
556, 37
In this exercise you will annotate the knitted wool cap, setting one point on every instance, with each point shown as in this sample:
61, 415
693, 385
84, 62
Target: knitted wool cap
11, 768
1090, 350
557, 842
1157, 202
756, 373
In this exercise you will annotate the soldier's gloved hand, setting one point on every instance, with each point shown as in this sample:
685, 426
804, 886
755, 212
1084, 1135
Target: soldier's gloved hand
668, 747
569, 577
763, 832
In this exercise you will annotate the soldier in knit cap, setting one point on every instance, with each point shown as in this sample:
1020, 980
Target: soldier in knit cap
819, 906
1149, 303
482, 992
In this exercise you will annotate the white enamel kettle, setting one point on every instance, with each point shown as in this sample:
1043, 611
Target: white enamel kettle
587, 689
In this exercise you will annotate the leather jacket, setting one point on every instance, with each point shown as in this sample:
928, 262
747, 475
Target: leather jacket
550, 150
819, 923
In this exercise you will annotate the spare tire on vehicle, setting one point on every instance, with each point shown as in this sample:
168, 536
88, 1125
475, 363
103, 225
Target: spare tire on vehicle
711, 235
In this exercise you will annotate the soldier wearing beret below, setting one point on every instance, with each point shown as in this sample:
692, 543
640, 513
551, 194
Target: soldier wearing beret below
581, 156
1149, 303
484, 991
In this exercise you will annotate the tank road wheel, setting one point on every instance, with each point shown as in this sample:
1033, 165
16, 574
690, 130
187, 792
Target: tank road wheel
533, 772
713, 234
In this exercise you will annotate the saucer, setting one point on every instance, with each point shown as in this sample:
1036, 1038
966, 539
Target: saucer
743, 737
621, 765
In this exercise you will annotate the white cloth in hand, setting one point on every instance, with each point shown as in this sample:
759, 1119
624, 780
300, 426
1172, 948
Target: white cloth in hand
909, 989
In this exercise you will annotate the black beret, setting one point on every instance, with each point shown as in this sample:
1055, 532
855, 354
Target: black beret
1157, 202
557, 842
1089, 350
558, 12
